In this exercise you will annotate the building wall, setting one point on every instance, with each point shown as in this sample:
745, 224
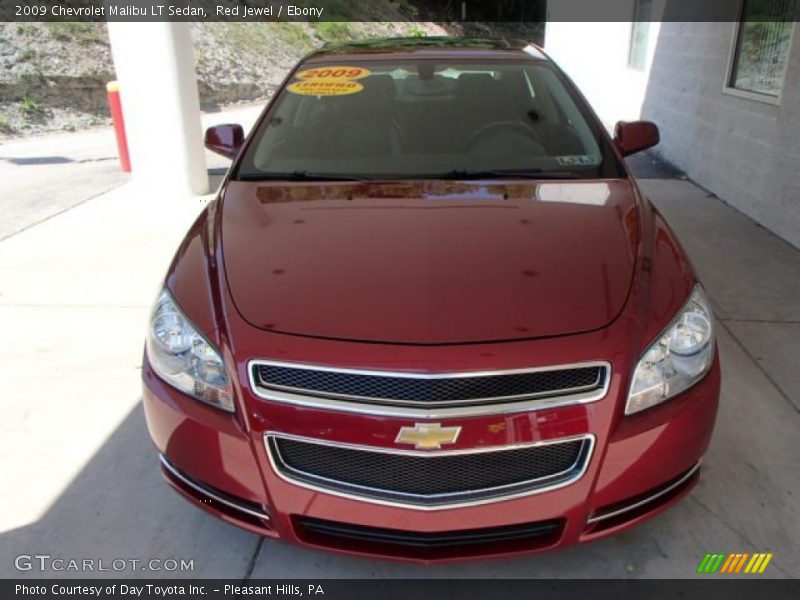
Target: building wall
745, 151
595, 56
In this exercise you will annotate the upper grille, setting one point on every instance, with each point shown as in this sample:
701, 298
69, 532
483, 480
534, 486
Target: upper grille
451, 389
429, 479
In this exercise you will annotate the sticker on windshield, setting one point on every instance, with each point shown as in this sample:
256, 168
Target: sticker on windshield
337, 73
325, 87
576, 160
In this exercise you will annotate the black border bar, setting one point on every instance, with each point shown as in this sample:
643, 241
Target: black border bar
730, 588
520, 12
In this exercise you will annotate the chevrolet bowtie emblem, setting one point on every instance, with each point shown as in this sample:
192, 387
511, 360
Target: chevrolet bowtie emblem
427, 436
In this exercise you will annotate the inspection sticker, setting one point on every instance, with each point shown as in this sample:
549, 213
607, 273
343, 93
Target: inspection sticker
576, 159
337, 73
325, 87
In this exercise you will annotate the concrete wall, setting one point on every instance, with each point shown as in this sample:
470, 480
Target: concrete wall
746, 151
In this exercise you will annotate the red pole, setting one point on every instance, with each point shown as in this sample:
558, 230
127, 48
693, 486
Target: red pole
115, 106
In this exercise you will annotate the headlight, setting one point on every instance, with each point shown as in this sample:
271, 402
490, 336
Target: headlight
678, 359
182, 357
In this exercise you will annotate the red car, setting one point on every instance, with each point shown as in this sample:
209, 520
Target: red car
430, 316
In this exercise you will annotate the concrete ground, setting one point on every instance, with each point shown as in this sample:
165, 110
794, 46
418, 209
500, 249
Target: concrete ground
80, 478
45, 175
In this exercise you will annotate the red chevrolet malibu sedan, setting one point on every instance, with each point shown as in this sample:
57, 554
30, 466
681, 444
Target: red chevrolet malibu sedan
430, 316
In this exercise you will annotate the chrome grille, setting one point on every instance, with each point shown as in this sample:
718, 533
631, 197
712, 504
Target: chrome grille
429, 479
429, 391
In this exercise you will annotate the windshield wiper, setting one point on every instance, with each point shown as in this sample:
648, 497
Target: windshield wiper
506, 173
300, 176
456, 174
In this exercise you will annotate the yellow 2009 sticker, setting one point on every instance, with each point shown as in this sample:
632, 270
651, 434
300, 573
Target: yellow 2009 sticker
335, 72
325, 87
329, 81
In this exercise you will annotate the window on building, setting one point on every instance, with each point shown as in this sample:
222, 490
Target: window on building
762, 46
640, 34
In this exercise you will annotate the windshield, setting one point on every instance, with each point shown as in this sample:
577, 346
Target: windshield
427, 119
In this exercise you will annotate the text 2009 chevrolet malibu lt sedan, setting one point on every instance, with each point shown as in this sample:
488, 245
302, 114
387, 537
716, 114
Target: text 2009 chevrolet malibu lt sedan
430, 316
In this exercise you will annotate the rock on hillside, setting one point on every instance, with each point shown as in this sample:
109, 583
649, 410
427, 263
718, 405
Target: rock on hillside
53, 75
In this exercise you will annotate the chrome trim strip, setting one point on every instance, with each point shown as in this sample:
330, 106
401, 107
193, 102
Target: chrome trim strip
656, 496
423, 453
434, 413
206, 492
419, 411
586, 454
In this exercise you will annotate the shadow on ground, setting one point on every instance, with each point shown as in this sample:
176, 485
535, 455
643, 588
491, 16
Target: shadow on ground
646, 165
118, 506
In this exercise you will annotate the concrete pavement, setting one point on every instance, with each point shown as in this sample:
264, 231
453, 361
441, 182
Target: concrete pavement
80, 477
45, 175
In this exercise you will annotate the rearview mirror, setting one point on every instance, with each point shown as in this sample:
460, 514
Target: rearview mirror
225, 139
635, 136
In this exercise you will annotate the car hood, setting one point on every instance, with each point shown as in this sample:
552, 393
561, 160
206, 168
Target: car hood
432, 262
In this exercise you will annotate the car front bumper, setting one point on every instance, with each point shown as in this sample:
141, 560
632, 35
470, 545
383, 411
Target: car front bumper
639, 466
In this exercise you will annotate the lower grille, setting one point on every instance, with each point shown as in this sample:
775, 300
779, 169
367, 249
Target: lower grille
335, 533
429, 479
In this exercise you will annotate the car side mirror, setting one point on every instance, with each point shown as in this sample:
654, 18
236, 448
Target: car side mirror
225, 139
635, 136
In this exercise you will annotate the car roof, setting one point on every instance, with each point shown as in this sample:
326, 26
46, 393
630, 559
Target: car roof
427, 47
